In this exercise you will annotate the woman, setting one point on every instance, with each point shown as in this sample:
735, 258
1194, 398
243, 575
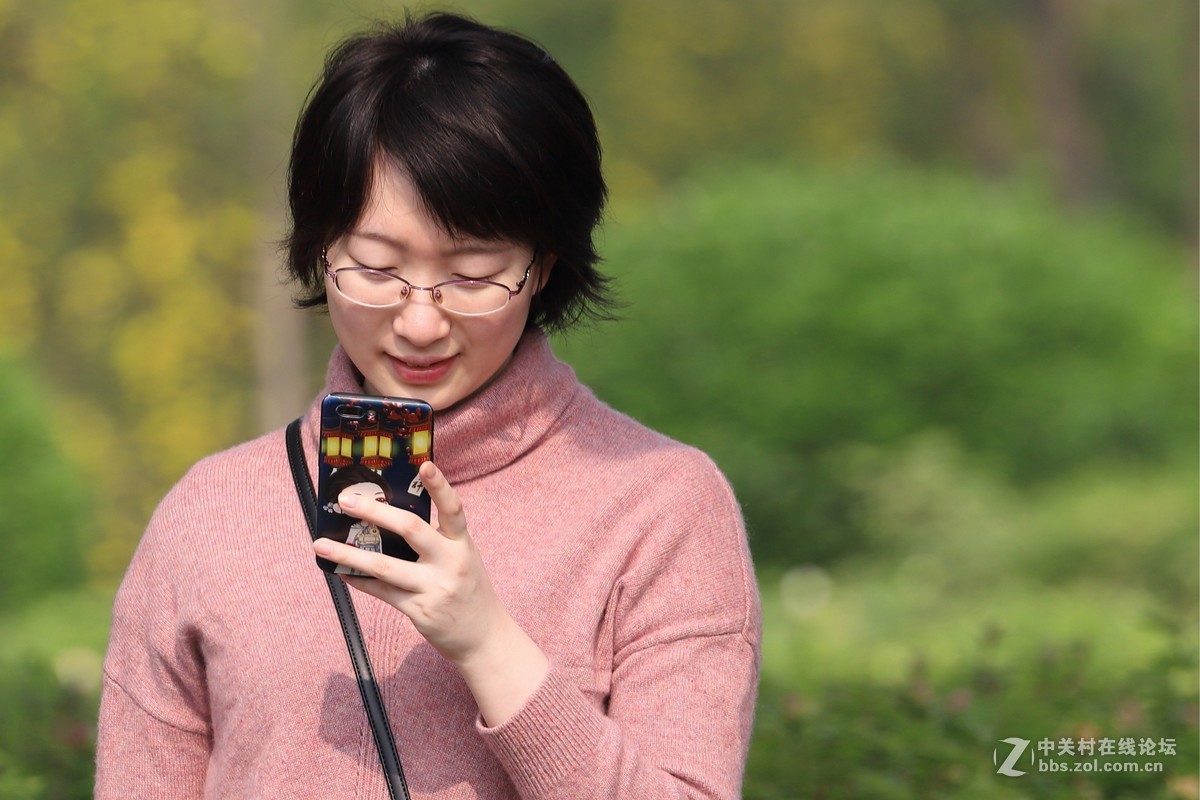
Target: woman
582, 621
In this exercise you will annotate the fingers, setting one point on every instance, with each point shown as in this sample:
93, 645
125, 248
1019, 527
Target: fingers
393, 571
379, 589
452, 519
412, 528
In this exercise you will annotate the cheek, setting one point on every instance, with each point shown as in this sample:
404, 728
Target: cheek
337, 314
351, 324
493, 344
502, 329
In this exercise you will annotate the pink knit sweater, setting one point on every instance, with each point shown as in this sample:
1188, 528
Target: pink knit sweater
620, 552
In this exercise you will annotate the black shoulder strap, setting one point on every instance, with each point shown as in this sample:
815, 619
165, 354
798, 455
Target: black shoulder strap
367, 685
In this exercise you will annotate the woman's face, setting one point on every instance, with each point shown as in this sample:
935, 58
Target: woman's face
417, 349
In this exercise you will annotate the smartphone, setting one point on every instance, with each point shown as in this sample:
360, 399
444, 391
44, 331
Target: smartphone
373, 446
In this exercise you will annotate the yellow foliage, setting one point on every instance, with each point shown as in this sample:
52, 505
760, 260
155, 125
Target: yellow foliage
173, 342
229, 48
147, 295
19, 308
90, 291
228, 230
130, 44
56, 52
169, 360
10, 132
142, 179
696, 78
176, 429
160, 246
136, 46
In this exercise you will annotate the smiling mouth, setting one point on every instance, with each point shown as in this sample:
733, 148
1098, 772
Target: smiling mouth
421, 371
422, 363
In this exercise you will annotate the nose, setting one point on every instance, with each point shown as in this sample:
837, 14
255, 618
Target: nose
421, 321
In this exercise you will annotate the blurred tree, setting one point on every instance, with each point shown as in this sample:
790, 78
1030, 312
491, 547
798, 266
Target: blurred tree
1103, 94
127, 241
144, 149
780, 315
1138, 69
1051, 32
280, 333
40, 491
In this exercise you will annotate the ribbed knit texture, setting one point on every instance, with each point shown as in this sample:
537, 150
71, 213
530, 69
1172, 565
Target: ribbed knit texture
620, 552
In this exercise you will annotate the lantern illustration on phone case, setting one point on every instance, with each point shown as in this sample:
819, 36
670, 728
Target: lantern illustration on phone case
418, 430
376, 447
337, 445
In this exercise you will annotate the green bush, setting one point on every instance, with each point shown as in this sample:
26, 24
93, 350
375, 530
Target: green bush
40, 493
47, 734
50, 676
777, 315
980, 612
941, 735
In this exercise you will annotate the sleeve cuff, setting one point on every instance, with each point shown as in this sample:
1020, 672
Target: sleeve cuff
556, 733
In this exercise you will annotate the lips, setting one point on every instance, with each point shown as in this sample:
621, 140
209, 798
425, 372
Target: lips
421, 371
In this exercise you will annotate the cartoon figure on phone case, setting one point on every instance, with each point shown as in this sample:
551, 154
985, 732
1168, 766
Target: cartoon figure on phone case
367, 483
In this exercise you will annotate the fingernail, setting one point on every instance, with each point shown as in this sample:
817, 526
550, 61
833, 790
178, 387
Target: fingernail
323, 547
346, 500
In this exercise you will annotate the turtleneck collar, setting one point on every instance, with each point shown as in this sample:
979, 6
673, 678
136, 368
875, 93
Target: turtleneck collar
495, 426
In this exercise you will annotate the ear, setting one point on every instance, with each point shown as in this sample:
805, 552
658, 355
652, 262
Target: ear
545, 264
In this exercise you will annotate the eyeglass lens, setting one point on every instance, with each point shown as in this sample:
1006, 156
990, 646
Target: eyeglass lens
375, 288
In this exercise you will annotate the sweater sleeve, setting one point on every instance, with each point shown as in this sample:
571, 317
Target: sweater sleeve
685, 625
141, 756
153, 734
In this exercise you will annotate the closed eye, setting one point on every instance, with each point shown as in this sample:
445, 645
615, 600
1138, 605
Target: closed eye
472, 285
460, 277
373, 274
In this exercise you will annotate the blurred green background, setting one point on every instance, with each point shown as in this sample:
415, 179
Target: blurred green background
920, 274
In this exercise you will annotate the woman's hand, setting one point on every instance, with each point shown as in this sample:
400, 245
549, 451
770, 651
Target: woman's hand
447, 595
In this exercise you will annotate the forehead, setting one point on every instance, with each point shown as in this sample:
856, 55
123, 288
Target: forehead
394, 209
395, 215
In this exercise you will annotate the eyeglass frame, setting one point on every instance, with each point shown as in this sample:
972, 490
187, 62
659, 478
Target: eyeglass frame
332, 273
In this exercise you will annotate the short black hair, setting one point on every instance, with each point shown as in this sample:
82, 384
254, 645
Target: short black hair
352, 475
498, 140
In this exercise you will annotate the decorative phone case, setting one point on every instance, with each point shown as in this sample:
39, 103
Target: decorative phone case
374, 446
